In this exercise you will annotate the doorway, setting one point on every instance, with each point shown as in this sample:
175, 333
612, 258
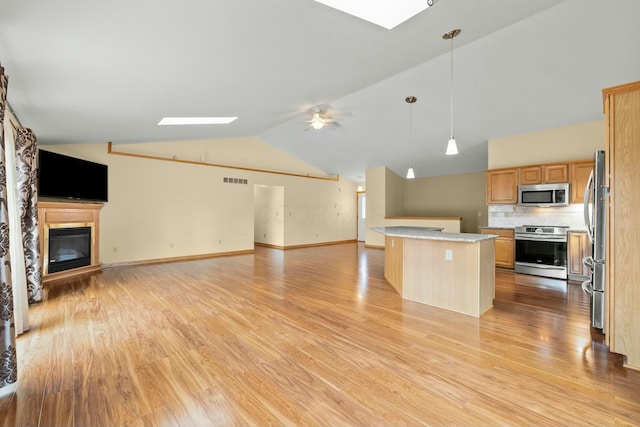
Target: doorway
362, 216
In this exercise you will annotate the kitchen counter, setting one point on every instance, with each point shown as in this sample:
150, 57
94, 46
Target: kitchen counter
484, 227
453, 271
432, 233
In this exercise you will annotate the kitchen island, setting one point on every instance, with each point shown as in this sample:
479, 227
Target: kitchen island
454, 271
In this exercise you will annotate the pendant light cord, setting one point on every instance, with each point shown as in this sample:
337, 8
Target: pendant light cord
410, 124
451, 88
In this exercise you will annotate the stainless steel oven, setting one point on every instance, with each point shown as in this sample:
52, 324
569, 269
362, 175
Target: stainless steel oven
541, 250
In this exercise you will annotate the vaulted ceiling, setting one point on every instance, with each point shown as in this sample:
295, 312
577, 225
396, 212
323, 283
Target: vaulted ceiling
92, 72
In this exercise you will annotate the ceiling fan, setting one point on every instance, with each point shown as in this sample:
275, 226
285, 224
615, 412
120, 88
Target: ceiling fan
321, 119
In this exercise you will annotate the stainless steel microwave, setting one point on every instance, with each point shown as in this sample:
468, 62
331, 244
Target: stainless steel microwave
544, 195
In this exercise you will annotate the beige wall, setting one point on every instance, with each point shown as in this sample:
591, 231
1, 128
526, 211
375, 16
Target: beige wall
461, 195
394, 194
161, 209
268, 218
575, 142
376, 200
387, 196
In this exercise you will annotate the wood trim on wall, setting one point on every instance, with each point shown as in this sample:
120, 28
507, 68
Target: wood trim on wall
306, 245
177, 259
193, 162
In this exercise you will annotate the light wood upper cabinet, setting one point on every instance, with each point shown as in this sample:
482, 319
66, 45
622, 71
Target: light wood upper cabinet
622, 124
580, 172
531, 175
556, 173
502, 186
544, 174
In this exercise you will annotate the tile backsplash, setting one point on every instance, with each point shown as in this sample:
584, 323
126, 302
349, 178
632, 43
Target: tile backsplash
514, 215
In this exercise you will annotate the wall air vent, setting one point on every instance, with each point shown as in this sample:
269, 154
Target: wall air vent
228, 180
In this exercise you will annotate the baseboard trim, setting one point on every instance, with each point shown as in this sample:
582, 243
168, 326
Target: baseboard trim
374, 246
72, 273
220, 254
177, 259
306, 245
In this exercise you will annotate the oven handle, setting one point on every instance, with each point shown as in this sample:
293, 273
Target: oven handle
541, 266
542, 239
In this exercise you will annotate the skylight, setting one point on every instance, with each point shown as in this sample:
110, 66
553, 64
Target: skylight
384, 13
196, 120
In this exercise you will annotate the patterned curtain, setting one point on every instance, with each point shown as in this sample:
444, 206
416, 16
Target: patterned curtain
26, 150
8, 360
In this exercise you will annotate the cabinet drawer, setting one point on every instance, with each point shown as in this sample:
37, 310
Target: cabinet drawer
499, 231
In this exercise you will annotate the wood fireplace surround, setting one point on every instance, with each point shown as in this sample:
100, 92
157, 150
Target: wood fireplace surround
68, 215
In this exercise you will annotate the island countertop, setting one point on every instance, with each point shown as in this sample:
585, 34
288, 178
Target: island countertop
432, 233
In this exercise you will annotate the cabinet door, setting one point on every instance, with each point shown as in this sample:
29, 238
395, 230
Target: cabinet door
556, 173
531, 175
579, 176
504, 252
502, 186
504, 247
578, 248
394, 261
544, 174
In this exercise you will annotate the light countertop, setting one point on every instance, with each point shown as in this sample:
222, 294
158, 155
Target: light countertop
432, 233
496, 228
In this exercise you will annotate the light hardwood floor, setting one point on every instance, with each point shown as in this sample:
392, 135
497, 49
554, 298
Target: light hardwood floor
309, 337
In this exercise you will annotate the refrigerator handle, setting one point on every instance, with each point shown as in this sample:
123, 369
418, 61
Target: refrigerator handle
587, 196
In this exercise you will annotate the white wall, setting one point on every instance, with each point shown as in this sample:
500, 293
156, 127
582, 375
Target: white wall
162, 209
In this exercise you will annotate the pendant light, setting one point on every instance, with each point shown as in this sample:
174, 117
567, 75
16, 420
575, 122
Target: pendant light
410, 100
452, 148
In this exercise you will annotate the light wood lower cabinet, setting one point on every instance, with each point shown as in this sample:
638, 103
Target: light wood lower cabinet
393, 261
505, 246
579, 247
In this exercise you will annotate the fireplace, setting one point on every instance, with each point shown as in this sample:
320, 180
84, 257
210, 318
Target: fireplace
69, 247
69, 239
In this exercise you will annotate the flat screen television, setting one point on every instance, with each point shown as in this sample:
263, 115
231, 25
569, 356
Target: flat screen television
65, 177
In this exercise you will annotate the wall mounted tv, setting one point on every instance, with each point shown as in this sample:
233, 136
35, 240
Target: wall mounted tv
65, 177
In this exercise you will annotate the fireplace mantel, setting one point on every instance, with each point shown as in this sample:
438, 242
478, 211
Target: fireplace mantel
56, 214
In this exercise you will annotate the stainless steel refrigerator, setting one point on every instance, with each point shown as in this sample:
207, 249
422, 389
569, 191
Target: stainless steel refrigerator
594, 217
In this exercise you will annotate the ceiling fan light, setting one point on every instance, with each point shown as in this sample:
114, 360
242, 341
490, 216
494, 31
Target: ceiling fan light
452, 148
317, 122
410, 174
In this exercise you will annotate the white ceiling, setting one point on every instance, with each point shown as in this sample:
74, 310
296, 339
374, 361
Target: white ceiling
89, 72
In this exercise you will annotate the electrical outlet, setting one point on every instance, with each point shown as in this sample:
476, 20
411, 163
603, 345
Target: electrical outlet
448, 254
